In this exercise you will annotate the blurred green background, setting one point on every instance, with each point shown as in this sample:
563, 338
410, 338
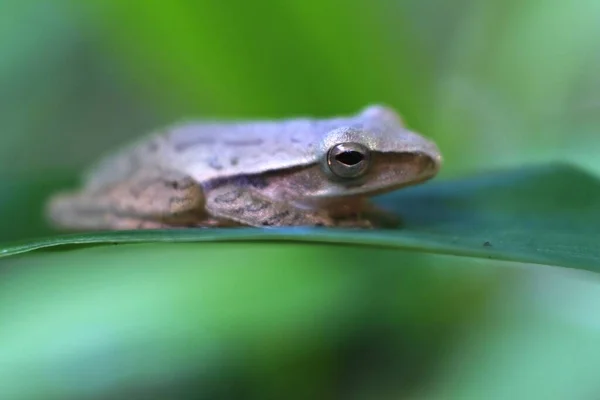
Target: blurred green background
495, 83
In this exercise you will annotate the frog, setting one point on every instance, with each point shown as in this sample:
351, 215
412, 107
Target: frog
210, 173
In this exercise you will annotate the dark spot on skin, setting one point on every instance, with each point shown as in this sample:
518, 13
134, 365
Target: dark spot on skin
152, 147
257, 206
192, 142
243, 142
234, 161
238, 210
487, 244
295, 218
227, 197
279, 216
136, 191
214, 163
178, 184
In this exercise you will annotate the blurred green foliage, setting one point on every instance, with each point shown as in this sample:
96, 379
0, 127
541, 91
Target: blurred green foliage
495, 83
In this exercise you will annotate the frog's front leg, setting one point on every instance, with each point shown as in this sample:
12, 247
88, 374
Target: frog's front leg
246, 205
146, 200
239, 202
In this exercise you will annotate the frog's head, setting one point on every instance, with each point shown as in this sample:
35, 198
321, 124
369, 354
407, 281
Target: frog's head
374, 153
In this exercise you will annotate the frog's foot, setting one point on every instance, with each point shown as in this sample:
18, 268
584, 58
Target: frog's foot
370, 218
355, 223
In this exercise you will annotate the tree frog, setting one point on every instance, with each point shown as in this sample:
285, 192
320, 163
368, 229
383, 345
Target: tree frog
288, 172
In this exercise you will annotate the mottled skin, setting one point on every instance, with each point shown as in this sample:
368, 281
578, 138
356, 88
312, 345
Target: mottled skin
255, 173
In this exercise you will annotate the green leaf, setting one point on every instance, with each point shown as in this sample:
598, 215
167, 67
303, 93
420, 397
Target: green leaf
546, 214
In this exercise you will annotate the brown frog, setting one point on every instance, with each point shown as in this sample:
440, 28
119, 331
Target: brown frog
301, 171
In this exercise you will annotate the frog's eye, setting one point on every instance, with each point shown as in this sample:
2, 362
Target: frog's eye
348, 160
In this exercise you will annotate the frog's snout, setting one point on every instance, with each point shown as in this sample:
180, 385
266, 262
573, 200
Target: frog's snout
422, 164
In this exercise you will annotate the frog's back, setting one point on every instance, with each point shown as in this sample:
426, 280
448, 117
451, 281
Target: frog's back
205, 150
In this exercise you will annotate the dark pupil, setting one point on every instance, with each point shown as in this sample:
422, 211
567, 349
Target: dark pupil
350, 157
